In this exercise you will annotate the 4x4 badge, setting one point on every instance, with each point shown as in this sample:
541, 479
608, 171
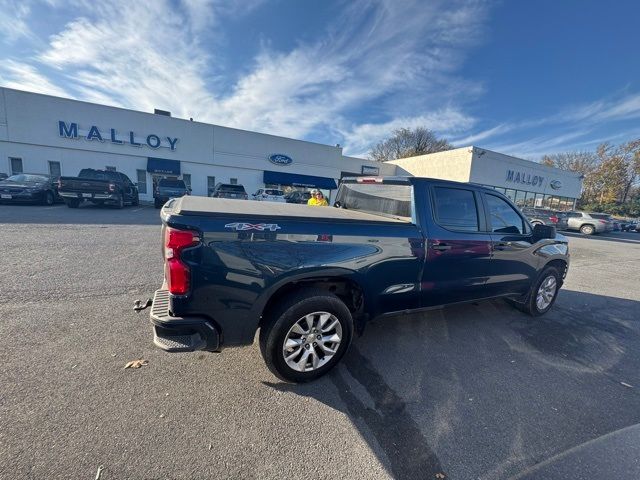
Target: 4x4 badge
261, 227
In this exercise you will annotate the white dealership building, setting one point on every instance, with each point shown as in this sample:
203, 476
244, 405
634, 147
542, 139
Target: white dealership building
57, 136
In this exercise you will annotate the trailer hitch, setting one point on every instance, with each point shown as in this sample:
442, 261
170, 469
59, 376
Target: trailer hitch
138, 306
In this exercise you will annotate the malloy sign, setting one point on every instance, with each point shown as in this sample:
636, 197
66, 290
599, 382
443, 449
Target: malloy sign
522, 178
111, 135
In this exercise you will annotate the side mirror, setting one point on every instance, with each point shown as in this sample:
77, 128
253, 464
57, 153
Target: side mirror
337, 204
544, 231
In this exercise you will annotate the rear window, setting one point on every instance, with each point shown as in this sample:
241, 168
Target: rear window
231, 188
456, 209
600, 216
377, 198
165, 182
28, 178
98, 175
273, 192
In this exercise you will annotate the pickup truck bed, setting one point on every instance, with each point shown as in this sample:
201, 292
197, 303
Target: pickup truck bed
224, 207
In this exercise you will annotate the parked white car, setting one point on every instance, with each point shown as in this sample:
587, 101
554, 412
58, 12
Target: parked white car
269, 195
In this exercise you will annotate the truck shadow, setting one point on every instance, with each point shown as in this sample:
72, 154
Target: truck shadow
86, 214
484, 391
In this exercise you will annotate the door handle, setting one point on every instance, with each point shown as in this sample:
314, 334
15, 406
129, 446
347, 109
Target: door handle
441, 247
502, 245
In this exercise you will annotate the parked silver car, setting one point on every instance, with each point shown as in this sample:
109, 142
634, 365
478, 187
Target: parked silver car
589, 223
543, 216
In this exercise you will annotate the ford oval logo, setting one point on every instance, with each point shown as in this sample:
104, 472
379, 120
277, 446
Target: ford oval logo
280, 159
555, 184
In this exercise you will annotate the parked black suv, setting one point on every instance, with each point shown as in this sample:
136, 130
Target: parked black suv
229, 190
297, 197
168, 188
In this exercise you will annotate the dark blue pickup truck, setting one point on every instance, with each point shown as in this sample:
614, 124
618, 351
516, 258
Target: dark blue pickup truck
308, 277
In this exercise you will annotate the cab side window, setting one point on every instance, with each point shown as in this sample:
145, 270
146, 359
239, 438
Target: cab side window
455, 209
503, 218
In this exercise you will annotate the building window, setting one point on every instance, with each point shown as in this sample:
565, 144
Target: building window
520, 196
16, 165
538, 203
211, 183
142, 181
511, 194
233, 181
186, 178
110, 169
54, 169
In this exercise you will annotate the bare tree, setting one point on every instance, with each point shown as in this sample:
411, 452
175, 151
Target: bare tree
581, 162
406, 142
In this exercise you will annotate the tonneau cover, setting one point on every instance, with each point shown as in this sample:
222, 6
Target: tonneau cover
205, 206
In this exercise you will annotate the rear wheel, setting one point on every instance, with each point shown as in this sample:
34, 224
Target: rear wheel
157, 204
136, 200
587, 230
543, 293
306, 335
73, 203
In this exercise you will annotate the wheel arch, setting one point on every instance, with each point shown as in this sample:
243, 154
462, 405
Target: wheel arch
343, 285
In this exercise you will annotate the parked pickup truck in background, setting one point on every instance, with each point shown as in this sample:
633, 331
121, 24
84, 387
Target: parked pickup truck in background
99, 187
308, 277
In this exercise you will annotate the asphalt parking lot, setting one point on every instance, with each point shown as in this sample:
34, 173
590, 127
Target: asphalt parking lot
475, 391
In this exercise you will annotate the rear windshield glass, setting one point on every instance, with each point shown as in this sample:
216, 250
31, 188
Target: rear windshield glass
165, 182
377, 198
599, 216
27, 178
274, 192
232, 188
98, 175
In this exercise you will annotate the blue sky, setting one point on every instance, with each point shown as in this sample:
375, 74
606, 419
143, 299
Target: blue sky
524, 78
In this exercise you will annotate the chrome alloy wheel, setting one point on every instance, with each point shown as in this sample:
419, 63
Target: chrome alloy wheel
312, 341
546, 292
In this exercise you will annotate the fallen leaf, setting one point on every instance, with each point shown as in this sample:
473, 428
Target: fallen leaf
136, 363
626, 385
440, 475
99, 472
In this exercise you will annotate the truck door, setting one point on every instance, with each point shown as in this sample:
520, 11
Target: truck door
513, 264
458, 254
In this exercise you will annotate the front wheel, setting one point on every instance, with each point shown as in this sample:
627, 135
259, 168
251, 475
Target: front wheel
306, 335
48, 199
73, 203
587, 229
136, 200
543, 293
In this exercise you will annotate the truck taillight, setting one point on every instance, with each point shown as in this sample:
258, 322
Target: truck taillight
59, 183
554, 219
177, 272
369, 180
112, 187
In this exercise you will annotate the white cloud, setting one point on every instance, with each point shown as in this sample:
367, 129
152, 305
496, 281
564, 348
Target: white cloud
392, 54
22, 76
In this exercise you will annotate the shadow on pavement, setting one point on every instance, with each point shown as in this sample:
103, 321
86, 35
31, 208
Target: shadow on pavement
486, 389
622, 237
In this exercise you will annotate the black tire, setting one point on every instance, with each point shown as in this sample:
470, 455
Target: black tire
587, 229
289, 311
530, 305
73, 203
48, 198
136, 200
157, 204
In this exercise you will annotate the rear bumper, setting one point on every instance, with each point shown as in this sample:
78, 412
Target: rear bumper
180, 334
103, 197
